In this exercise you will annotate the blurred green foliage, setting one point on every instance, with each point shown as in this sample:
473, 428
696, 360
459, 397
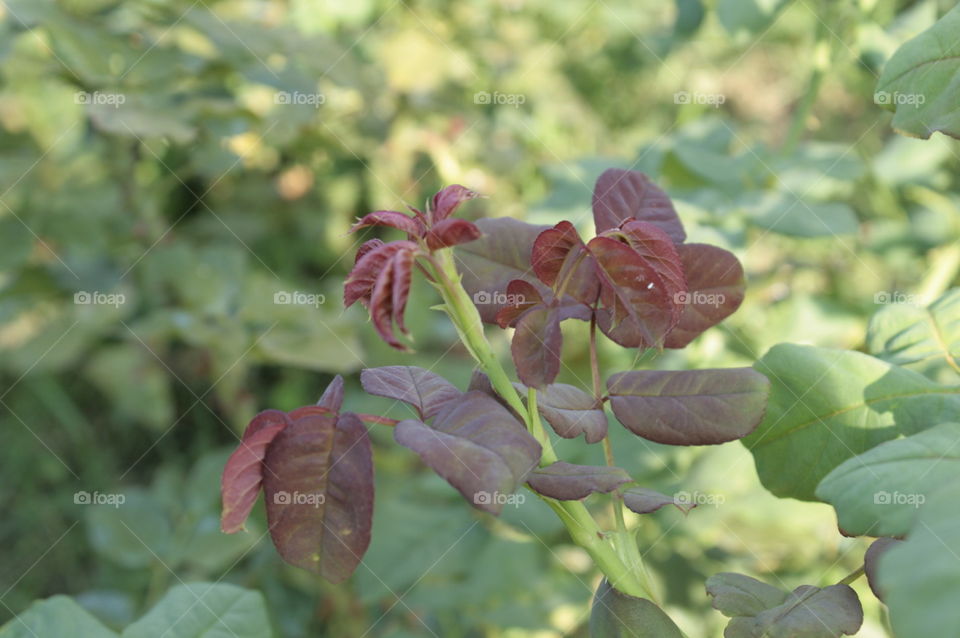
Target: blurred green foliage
169, 167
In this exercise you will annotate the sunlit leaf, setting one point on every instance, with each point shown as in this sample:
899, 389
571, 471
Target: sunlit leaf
620, 195
426, 391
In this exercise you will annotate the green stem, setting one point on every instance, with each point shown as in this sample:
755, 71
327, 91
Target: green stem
853, 576
536, 427
582, 527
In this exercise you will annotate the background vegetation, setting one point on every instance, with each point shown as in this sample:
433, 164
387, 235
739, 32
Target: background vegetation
178, 163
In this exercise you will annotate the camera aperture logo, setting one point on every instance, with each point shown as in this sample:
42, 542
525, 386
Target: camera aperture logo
299, 498
509, 99
487, 297
697, 498
707, 99
298, 98
498, 498
298, 298
98, 98
916, 100
98, 498
97, 298
914, 499
700, 298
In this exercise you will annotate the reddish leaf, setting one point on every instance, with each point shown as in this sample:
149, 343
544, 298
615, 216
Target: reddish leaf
643, 501
877, 549
571, 412
410, 225
446, 201
332, 398
243, 473
490, 263
715, 289
366, 247
402, 264
426, 391
388, 298
654, 245
319, 493
620, 195
568, 482
561, 260
452, 232
362, 279
537, 342
477, 446
635, 307
689, 407
521, 297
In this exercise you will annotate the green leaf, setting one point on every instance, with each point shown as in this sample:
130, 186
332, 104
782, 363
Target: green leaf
911, 335
879, 492
808, 612
920, 578
789, 214
827, 406
132, 533
738, 595
921, 82
747, 16
205, 610
56, 616
617, 615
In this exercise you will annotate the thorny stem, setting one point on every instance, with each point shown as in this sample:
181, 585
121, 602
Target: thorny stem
581, 526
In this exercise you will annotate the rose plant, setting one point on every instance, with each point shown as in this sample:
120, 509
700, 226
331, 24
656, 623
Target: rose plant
637, 282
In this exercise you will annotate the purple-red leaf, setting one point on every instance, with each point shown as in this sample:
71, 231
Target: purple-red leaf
477, 446
451, 232
635, 308
643, 500
620, 195
571, 412
568, 482
654, 245
393, 219
521, 297
537, 342
426, 391
490, 263
402, 264
368, 267
366, 247
561, 260
332, 398
446, 201
715, 289
243, 473
689, 407
870, 563
319, 491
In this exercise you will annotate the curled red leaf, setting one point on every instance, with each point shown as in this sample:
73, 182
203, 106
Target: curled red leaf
451, 232
410, 225
447, 200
